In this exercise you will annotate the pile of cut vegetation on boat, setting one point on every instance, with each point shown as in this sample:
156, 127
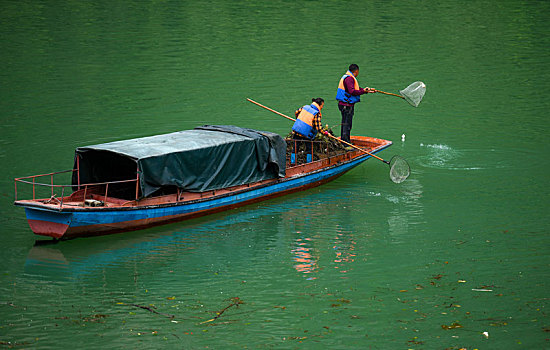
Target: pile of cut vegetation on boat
321, 147
137, 183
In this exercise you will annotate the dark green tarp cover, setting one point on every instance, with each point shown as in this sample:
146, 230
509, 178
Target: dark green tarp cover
207, 158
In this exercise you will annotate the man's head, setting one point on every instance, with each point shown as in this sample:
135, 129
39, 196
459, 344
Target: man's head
353, 68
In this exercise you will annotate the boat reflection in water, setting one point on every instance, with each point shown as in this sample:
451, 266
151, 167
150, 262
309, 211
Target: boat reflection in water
200, 237
307, 230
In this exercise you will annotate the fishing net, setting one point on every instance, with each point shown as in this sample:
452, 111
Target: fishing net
414, 93
399, 169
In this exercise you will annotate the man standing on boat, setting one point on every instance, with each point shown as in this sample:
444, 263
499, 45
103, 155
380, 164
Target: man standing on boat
348, 94
306, 126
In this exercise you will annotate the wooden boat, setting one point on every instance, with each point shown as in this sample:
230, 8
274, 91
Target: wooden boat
103, 207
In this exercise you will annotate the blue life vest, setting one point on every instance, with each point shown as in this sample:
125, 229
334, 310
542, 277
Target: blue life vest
342, 95
304, 123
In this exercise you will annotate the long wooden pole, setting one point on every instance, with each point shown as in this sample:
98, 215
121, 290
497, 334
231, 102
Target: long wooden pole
269, 109
389, 93
329, 135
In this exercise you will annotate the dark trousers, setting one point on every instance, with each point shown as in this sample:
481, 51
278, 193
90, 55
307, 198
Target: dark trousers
347, 120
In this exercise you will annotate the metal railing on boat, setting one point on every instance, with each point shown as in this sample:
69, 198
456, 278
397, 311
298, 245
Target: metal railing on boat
316, 148
79, 186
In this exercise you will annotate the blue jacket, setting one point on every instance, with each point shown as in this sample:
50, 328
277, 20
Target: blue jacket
304, 122
342, 95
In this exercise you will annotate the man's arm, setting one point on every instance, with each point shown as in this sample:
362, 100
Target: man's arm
349, 84
317, 122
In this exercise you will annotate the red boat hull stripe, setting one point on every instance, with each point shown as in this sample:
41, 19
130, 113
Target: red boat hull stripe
48, 228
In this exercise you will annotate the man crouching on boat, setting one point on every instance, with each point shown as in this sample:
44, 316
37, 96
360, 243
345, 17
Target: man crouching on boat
308, 123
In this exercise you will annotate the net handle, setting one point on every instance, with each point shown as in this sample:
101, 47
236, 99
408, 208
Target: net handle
357, 148
389, 93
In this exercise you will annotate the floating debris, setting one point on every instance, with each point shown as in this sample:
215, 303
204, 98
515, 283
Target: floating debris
150, 308
452, 326
415, 341
235, 301
342, 300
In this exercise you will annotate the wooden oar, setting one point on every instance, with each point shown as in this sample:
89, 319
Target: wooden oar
327, 134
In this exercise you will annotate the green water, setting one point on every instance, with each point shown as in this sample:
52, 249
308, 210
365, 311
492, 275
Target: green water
359, 263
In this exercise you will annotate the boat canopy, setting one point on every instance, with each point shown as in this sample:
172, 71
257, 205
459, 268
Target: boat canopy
206, 158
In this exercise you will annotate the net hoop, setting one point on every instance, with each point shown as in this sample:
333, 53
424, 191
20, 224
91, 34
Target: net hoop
399, 169
414, 93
